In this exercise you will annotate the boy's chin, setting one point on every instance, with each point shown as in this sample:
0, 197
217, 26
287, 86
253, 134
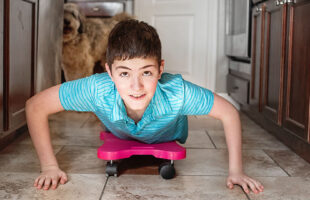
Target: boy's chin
137, 106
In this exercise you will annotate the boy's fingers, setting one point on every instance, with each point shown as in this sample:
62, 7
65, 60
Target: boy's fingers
54, 183
36, 182
47, 183
252, 186
245, 187
229, 184
258, 185
63, 179
40, 182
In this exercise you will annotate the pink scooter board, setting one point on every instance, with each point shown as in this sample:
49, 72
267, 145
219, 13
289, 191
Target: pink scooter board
115, 149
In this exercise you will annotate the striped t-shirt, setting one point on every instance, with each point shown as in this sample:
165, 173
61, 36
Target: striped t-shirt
165, 118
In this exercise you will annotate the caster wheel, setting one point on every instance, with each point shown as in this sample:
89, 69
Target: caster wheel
111, 169
167, 170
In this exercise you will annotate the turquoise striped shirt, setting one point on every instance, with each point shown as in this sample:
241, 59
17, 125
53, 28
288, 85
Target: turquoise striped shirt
165, 118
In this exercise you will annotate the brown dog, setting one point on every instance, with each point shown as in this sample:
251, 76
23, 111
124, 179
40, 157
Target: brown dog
84, 41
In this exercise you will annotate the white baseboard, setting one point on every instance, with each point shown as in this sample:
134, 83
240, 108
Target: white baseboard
228, 98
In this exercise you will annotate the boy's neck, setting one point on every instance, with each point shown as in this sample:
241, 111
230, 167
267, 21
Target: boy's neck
135, 115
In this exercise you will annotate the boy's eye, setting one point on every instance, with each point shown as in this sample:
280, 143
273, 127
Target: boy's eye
147, 73
124, 74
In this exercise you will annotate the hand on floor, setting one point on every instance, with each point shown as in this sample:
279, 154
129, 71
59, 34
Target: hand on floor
50, 176
245, 182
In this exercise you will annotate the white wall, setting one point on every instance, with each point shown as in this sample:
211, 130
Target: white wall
221, 61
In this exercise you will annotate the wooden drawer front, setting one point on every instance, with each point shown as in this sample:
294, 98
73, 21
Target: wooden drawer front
238, 89
101, 9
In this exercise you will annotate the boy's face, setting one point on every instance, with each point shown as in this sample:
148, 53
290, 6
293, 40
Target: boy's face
136, 80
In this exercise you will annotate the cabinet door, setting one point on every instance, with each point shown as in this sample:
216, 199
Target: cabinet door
1, 65
257, 50
296, 116
274, 57
22, 17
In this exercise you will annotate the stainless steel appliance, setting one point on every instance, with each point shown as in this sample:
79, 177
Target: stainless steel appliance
104, 8
238, 20
238, 48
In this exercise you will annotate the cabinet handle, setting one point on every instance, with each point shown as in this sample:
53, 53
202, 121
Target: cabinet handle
96, 9
258, 10
282, 2
289, 1
235, 88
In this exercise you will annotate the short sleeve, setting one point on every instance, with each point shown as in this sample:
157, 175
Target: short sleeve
78, 95
197, 100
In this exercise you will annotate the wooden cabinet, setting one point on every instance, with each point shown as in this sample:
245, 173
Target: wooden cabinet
268, 54
257, 45
273, 60
297, 79
19, 47
1, 66
280, 81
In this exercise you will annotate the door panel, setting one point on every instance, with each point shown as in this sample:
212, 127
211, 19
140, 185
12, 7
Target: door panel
296, 116
1, 65
275, 31
257, 49
21, 59
188, 43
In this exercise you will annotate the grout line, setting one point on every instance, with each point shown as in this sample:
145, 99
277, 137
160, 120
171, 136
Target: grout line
198, 148
63, 146
276, 163
247, 196
105, 184
85, 122
210, 139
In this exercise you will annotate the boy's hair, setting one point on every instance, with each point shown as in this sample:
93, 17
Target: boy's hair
133, 39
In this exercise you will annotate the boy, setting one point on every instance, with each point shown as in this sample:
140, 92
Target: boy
134, 100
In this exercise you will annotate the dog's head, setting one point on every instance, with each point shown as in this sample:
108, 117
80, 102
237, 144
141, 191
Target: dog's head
73, 22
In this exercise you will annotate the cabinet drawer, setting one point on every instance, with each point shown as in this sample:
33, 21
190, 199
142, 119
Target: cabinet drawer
238, 89
101, 9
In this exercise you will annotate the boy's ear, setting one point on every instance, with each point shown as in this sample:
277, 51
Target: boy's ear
108, 70
161, 67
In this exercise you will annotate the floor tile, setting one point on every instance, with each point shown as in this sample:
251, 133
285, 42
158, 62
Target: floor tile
68, 119
21, 158
80, 159
248, 124
67, 116
283, 188
198, 139
79, 137
290, 162
203, 123
79, 186
251, 139
132, 187
215, 162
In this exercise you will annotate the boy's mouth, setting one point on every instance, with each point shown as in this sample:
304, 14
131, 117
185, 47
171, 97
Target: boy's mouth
137, 96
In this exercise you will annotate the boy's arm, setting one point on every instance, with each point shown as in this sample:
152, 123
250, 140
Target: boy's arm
37, 110
229, 116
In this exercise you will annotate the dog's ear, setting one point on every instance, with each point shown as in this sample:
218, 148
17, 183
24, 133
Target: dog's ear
82, 19
80, 30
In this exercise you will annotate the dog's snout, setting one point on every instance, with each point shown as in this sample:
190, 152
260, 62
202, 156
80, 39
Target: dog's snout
67, 22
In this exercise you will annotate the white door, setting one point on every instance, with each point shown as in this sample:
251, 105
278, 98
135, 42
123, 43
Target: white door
188, 32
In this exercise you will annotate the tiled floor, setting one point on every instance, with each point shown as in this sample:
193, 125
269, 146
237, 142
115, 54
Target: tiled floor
201, 175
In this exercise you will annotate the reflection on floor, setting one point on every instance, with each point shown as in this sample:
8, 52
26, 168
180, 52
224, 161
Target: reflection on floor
201, 175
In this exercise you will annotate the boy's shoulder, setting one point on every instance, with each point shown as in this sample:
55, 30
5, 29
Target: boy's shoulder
170, 78
104, 83
172, 85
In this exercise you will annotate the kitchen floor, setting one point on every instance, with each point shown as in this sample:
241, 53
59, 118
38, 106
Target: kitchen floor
201, 175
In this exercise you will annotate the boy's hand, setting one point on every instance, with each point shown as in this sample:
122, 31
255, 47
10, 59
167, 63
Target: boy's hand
245, 182
50, 175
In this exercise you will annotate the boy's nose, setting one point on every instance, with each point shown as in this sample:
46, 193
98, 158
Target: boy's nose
136, 84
